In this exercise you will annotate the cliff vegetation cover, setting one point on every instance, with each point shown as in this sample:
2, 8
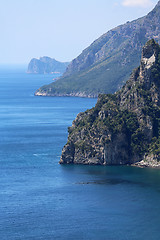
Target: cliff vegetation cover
123, 128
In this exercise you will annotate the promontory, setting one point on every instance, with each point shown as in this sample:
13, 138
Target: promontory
122, 128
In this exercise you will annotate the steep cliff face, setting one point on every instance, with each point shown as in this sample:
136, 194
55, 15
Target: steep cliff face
106, 64
46, 65
122, 128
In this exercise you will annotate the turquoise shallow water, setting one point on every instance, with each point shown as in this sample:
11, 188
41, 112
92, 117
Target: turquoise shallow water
40, 199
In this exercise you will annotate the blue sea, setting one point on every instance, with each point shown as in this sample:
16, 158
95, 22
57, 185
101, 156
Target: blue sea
42, 200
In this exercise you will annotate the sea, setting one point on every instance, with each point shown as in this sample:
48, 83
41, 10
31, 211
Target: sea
43, 200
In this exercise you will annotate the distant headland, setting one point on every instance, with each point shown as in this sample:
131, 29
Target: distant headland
46, 65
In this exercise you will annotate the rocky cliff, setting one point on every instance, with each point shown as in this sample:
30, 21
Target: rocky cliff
46, 65
106, 64
123, 128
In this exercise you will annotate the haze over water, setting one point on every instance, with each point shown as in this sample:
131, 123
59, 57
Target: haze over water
42, 200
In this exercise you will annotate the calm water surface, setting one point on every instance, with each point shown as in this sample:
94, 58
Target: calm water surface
42, 200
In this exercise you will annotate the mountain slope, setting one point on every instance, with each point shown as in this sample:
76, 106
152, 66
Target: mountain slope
106, 64
122, 128
46, 65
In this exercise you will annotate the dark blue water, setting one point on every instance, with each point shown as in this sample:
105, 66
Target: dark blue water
40, 199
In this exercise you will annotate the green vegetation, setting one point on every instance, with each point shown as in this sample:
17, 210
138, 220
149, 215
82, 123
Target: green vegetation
133, 112
100, 78
114, 122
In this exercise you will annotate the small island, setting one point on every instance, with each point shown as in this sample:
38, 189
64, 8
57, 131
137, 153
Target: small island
123, 128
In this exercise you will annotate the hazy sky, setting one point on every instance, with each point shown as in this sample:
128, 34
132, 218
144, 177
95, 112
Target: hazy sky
60, 28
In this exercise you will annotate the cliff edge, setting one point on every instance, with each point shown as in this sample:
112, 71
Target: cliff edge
122, 128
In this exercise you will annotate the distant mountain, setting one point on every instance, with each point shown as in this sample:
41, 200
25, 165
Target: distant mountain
46, 65
123, 128
106, 64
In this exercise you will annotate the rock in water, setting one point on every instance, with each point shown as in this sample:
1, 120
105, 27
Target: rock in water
123, 128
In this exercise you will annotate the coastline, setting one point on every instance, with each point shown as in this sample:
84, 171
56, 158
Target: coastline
74, 94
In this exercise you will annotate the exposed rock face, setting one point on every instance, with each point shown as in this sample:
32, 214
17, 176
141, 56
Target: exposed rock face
46, 65
123, 128
106, 64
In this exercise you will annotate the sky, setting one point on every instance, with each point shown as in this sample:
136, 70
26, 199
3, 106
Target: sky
60, 29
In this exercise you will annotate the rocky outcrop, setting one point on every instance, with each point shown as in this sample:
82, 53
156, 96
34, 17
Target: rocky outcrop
123, 128
46, 65
106, 64
149, 161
